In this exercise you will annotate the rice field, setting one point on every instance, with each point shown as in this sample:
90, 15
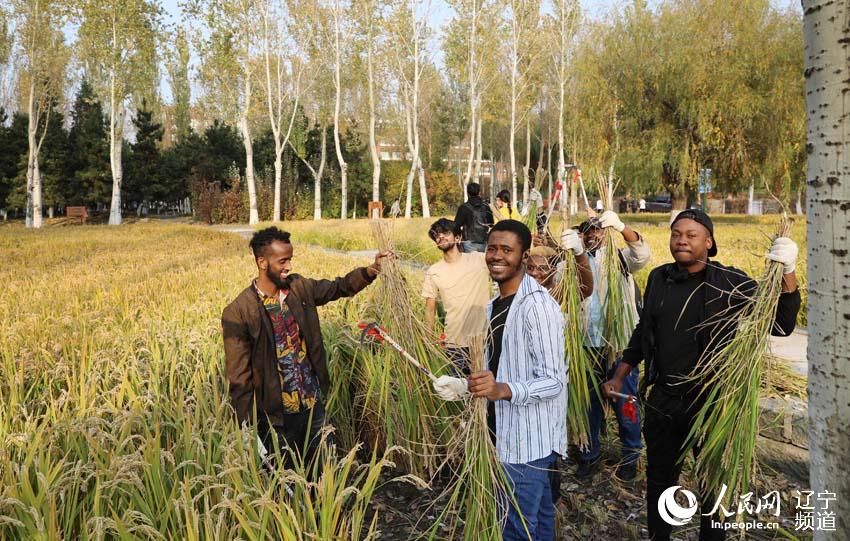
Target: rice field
114, 421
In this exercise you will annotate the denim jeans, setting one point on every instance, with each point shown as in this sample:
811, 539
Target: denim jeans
531, 484
469, 246
629, 430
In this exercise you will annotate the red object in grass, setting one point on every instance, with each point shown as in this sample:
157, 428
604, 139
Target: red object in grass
630, 411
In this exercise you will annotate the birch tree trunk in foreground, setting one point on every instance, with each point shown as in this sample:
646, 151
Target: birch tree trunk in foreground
826, 34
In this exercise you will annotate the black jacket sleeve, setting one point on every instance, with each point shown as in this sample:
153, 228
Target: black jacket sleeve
786, 313
634, 354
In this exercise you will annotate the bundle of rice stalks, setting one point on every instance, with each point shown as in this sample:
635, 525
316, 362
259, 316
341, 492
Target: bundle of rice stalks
726, 426
531, 218
582, 377
478, 496
618, 315
396, 403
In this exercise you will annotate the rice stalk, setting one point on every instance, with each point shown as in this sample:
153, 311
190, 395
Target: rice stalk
618, 317
479, 494
580, 369
732, 378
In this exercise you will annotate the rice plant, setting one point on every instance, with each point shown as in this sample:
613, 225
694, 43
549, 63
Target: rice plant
726, 426
114, 416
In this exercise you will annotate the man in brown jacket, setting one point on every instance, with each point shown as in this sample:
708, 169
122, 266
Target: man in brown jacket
273, 344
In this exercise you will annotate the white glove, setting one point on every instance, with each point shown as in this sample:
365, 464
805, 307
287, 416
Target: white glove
449, 388
571, 241
609, 218
784, 250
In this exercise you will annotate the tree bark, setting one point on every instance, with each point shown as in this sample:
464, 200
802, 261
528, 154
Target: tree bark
373, 145
343, 167
116, 122
826, 36
526, 171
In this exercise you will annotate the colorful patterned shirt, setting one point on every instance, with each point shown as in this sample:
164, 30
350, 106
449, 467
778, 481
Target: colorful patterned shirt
298, 383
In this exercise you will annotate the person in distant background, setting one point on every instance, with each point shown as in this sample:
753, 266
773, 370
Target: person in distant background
474, 219
395, 210
503, 203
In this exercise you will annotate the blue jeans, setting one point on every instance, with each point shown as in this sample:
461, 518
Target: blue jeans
469, 246
629, 431
531, 484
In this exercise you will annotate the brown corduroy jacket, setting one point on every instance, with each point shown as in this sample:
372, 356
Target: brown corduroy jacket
249, 346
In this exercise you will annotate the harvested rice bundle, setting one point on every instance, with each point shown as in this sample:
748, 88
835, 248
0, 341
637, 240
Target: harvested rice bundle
478, 496
396, 403
726, 426
618, 320
582, 378
531, 218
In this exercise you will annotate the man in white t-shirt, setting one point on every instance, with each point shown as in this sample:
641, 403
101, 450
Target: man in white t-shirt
461, 282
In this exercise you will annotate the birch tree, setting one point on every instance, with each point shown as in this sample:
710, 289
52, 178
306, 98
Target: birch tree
283, 78
827, 35
369, 19
409, 33
117, 40
229, 62
523, 16
562, 30
338, 12
43, 59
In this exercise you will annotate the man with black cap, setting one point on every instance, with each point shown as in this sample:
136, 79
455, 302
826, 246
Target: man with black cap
689, 306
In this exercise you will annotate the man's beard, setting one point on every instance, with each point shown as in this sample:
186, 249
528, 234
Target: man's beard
446, 248
280, 283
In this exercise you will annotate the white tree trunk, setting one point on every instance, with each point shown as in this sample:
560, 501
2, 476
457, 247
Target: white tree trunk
423, 192
253, 213
116, 124
373, 144
526, 171
798, 205
514, 98
750, 195
826, 35
36, 194
343, 167
317, 176
476, 172
473, 96
31, 158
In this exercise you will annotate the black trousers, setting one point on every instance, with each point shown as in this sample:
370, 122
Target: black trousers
668, 420
299, 432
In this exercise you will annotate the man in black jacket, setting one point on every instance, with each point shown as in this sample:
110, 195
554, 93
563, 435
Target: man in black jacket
475, 220
688, 311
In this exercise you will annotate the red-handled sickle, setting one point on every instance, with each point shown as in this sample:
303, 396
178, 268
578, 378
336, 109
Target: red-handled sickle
375, 331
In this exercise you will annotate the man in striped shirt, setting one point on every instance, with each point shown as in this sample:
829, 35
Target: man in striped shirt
526, 382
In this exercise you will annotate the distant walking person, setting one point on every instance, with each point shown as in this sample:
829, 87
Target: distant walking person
395, 210
474, 219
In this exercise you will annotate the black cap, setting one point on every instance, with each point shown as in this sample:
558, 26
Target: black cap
701, 218
587, 225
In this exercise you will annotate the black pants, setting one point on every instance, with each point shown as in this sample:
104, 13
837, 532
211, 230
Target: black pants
299, 432
668, 421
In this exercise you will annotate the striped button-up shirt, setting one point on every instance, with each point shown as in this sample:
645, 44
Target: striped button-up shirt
532, 424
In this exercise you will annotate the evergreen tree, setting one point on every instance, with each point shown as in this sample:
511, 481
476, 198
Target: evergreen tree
90, 179
144, 180
13, 145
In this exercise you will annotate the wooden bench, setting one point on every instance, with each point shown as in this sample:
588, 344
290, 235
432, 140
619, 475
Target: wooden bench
77, 212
